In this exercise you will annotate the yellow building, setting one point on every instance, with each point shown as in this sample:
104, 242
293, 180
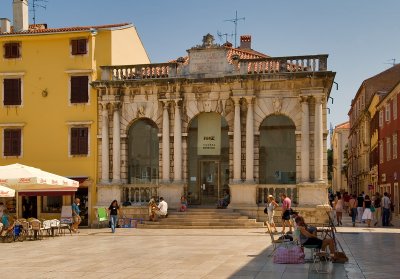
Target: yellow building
48, 110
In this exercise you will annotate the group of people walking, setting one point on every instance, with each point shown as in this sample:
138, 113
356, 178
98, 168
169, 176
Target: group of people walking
364, 209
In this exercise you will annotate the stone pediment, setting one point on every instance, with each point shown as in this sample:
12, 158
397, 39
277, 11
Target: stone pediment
208, 59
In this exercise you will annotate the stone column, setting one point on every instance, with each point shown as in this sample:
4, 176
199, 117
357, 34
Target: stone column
318, 140
105, 154
236, 142
177, 144
250, 140
305, 140
116, 178
165, 144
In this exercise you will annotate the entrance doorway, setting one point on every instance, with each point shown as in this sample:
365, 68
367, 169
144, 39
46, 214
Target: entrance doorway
209, 182
83, 195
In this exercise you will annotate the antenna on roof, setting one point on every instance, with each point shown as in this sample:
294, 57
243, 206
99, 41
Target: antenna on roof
393, 63
235, 21
221, 36
35, 6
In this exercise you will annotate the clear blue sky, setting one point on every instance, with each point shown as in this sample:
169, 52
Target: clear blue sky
360, 36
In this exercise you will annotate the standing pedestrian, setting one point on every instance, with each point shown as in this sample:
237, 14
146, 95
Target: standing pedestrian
113, 211
271, 205
367, 215
378, 210
286, 211
385, 210
75, 215
339, 208
360, 202
391, 210
353, 209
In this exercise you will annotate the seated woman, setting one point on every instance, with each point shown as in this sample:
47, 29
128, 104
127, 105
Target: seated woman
224, 202
5, 220
184, 204
308, 236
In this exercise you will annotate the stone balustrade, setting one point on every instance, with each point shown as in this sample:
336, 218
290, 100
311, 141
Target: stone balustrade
289, 64
271, 65
141, 71
139, 194
263, 190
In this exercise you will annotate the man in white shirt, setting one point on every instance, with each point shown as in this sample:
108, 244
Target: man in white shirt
162, 208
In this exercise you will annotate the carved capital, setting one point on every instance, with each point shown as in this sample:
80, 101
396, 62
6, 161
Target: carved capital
115, 105
304, 99
319, 99
236, 100
249, 100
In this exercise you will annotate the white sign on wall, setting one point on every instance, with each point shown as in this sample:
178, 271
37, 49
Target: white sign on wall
209, 134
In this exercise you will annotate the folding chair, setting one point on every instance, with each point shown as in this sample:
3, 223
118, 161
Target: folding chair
277, 242
66, 219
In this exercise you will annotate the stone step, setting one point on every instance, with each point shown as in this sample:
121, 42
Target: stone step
206, 216
156, 226
204, 213
203, 221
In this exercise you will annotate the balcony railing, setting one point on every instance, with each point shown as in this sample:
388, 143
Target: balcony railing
272, 65
275, 190
139, 194
289, 64
143, 71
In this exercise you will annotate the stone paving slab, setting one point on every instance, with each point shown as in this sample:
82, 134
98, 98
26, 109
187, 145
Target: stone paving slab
187, 253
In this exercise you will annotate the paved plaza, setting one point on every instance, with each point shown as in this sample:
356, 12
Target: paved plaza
186, 253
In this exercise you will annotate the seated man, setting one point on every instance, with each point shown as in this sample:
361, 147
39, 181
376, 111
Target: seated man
162, 208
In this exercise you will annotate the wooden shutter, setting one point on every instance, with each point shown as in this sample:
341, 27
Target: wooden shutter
12, 142
83, 141
12, 92
79, 89
11, 50
79, 141
79, 46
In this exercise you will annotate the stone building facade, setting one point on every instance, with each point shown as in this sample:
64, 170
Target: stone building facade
360, 174
220, 119
339, 145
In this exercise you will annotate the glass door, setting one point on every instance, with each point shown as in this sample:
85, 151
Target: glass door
209, 182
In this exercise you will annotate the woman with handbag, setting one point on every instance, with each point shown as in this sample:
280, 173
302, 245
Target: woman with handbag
270, 208
367, 206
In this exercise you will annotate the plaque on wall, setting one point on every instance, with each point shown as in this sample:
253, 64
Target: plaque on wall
209, 134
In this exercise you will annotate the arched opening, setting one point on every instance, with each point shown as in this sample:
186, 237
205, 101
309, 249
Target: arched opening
143, 152
277, 150
208, 158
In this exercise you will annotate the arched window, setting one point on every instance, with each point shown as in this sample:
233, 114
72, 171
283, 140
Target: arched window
277, 150
143, 152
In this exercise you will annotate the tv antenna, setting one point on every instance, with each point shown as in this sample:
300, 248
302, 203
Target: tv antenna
393, 63
221, 36
36, 5
235, 21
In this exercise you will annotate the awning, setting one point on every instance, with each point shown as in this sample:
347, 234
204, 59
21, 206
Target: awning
47, 192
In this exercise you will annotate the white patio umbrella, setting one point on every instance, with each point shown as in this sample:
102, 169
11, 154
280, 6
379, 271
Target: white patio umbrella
29, 179
6, 192
20, 177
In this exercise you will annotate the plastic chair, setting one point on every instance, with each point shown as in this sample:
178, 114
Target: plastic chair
102, 216
66, 219
277, 242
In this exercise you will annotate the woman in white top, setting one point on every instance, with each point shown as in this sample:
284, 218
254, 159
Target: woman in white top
271, 205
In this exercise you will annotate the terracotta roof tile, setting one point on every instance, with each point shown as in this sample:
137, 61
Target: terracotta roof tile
65, 29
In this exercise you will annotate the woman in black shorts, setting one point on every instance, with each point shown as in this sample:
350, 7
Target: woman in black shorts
308, 236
